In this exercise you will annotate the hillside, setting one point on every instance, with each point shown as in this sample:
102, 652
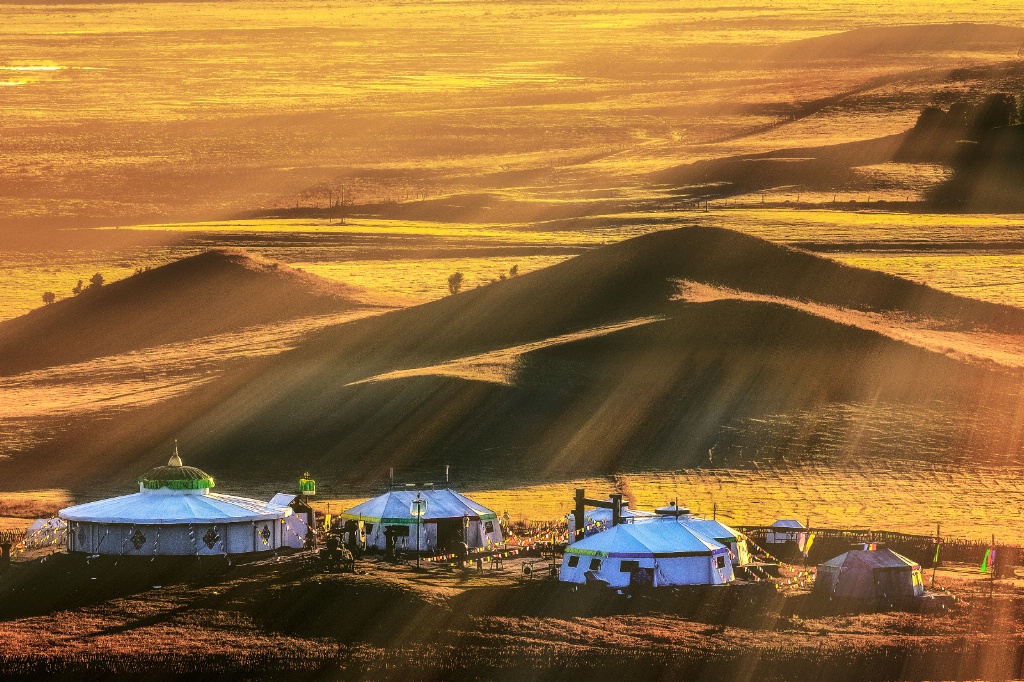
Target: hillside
601, 363
879, 40
210, 293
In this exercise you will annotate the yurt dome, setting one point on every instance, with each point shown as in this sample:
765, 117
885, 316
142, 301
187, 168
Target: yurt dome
655, 553
174, 513
448, 520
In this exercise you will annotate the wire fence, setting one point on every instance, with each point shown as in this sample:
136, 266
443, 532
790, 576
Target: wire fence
923, 549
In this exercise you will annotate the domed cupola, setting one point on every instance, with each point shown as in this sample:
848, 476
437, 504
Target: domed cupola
175, 476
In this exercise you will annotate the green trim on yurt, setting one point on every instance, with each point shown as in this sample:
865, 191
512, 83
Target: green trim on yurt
176, 478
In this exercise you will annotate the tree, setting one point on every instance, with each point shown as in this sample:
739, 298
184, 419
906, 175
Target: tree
96, 281
49, 297
513, 271
454, 283
78, 288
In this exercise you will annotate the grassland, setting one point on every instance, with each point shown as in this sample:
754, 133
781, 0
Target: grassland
386, 622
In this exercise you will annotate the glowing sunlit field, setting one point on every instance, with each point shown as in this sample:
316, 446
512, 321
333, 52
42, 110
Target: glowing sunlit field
195, 110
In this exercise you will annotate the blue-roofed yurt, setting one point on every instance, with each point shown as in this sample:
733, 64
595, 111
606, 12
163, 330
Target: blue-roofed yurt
655, 553
175, 514
448, 520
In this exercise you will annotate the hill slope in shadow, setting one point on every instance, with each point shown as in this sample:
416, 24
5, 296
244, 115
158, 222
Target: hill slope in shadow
210, 293
655, 394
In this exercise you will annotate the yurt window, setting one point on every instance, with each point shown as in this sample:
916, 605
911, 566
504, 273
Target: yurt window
721, 561
595, 564
489, 527
628, 566
574, 561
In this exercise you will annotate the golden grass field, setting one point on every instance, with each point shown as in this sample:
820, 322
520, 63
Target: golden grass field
386, 145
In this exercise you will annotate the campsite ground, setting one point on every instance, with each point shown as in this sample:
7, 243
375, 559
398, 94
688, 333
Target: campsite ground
262, 620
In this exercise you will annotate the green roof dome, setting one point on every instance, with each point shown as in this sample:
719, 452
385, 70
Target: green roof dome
176, 476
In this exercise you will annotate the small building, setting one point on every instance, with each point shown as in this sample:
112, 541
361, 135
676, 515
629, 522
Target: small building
787, 530
654, 552
449, 520
175, 514
869, 577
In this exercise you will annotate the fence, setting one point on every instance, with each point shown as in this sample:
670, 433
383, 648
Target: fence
831, 542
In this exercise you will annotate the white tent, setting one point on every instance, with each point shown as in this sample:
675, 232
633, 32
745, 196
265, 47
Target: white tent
656, 552
174, 513
787, 530
46, 533
448, 520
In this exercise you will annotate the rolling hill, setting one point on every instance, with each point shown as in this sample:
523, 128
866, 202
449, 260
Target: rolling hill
599, 364
213, 292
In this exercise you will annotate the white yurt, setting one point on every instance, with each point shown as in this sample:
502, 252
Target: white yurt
655, 552
600, 519
448, 519
175, 514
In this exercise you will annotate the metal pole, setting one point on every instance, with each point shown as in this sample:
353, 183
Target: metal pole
417, 541
938, 548
992, 569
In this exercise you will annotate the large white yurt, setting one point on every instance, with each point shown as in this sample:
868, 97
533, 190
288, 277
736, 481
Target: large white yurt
448, 520
655, 552
174, 513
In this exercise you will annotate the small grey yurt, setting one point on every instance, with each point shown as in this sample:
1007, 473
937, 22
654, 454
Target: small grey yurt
869, 577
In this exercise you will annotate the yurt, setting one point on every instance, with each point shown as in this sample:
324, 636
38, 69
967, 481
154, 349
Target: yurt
175, 514
869, 576
656, 553
448, 519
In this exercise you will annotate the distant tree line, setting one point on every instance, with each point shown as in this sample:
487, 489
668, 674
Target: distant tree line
972, 118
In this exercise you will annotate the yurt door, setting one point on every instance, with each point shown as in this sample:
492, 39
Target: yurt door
449, 534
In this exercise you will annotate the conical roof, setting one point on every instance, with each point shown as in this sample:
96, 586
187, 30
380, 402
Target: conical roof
394, 507
655, 537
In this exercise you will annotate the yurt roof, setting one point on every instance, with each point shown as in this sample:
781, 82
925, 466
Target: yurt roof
710, 528
176, 476
151, 507
873, 558
393, 507
788, 523
658, 538
627, 513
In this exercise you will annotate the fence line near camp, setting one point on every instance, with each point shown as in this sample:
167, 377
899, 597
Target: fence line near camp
830, 542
